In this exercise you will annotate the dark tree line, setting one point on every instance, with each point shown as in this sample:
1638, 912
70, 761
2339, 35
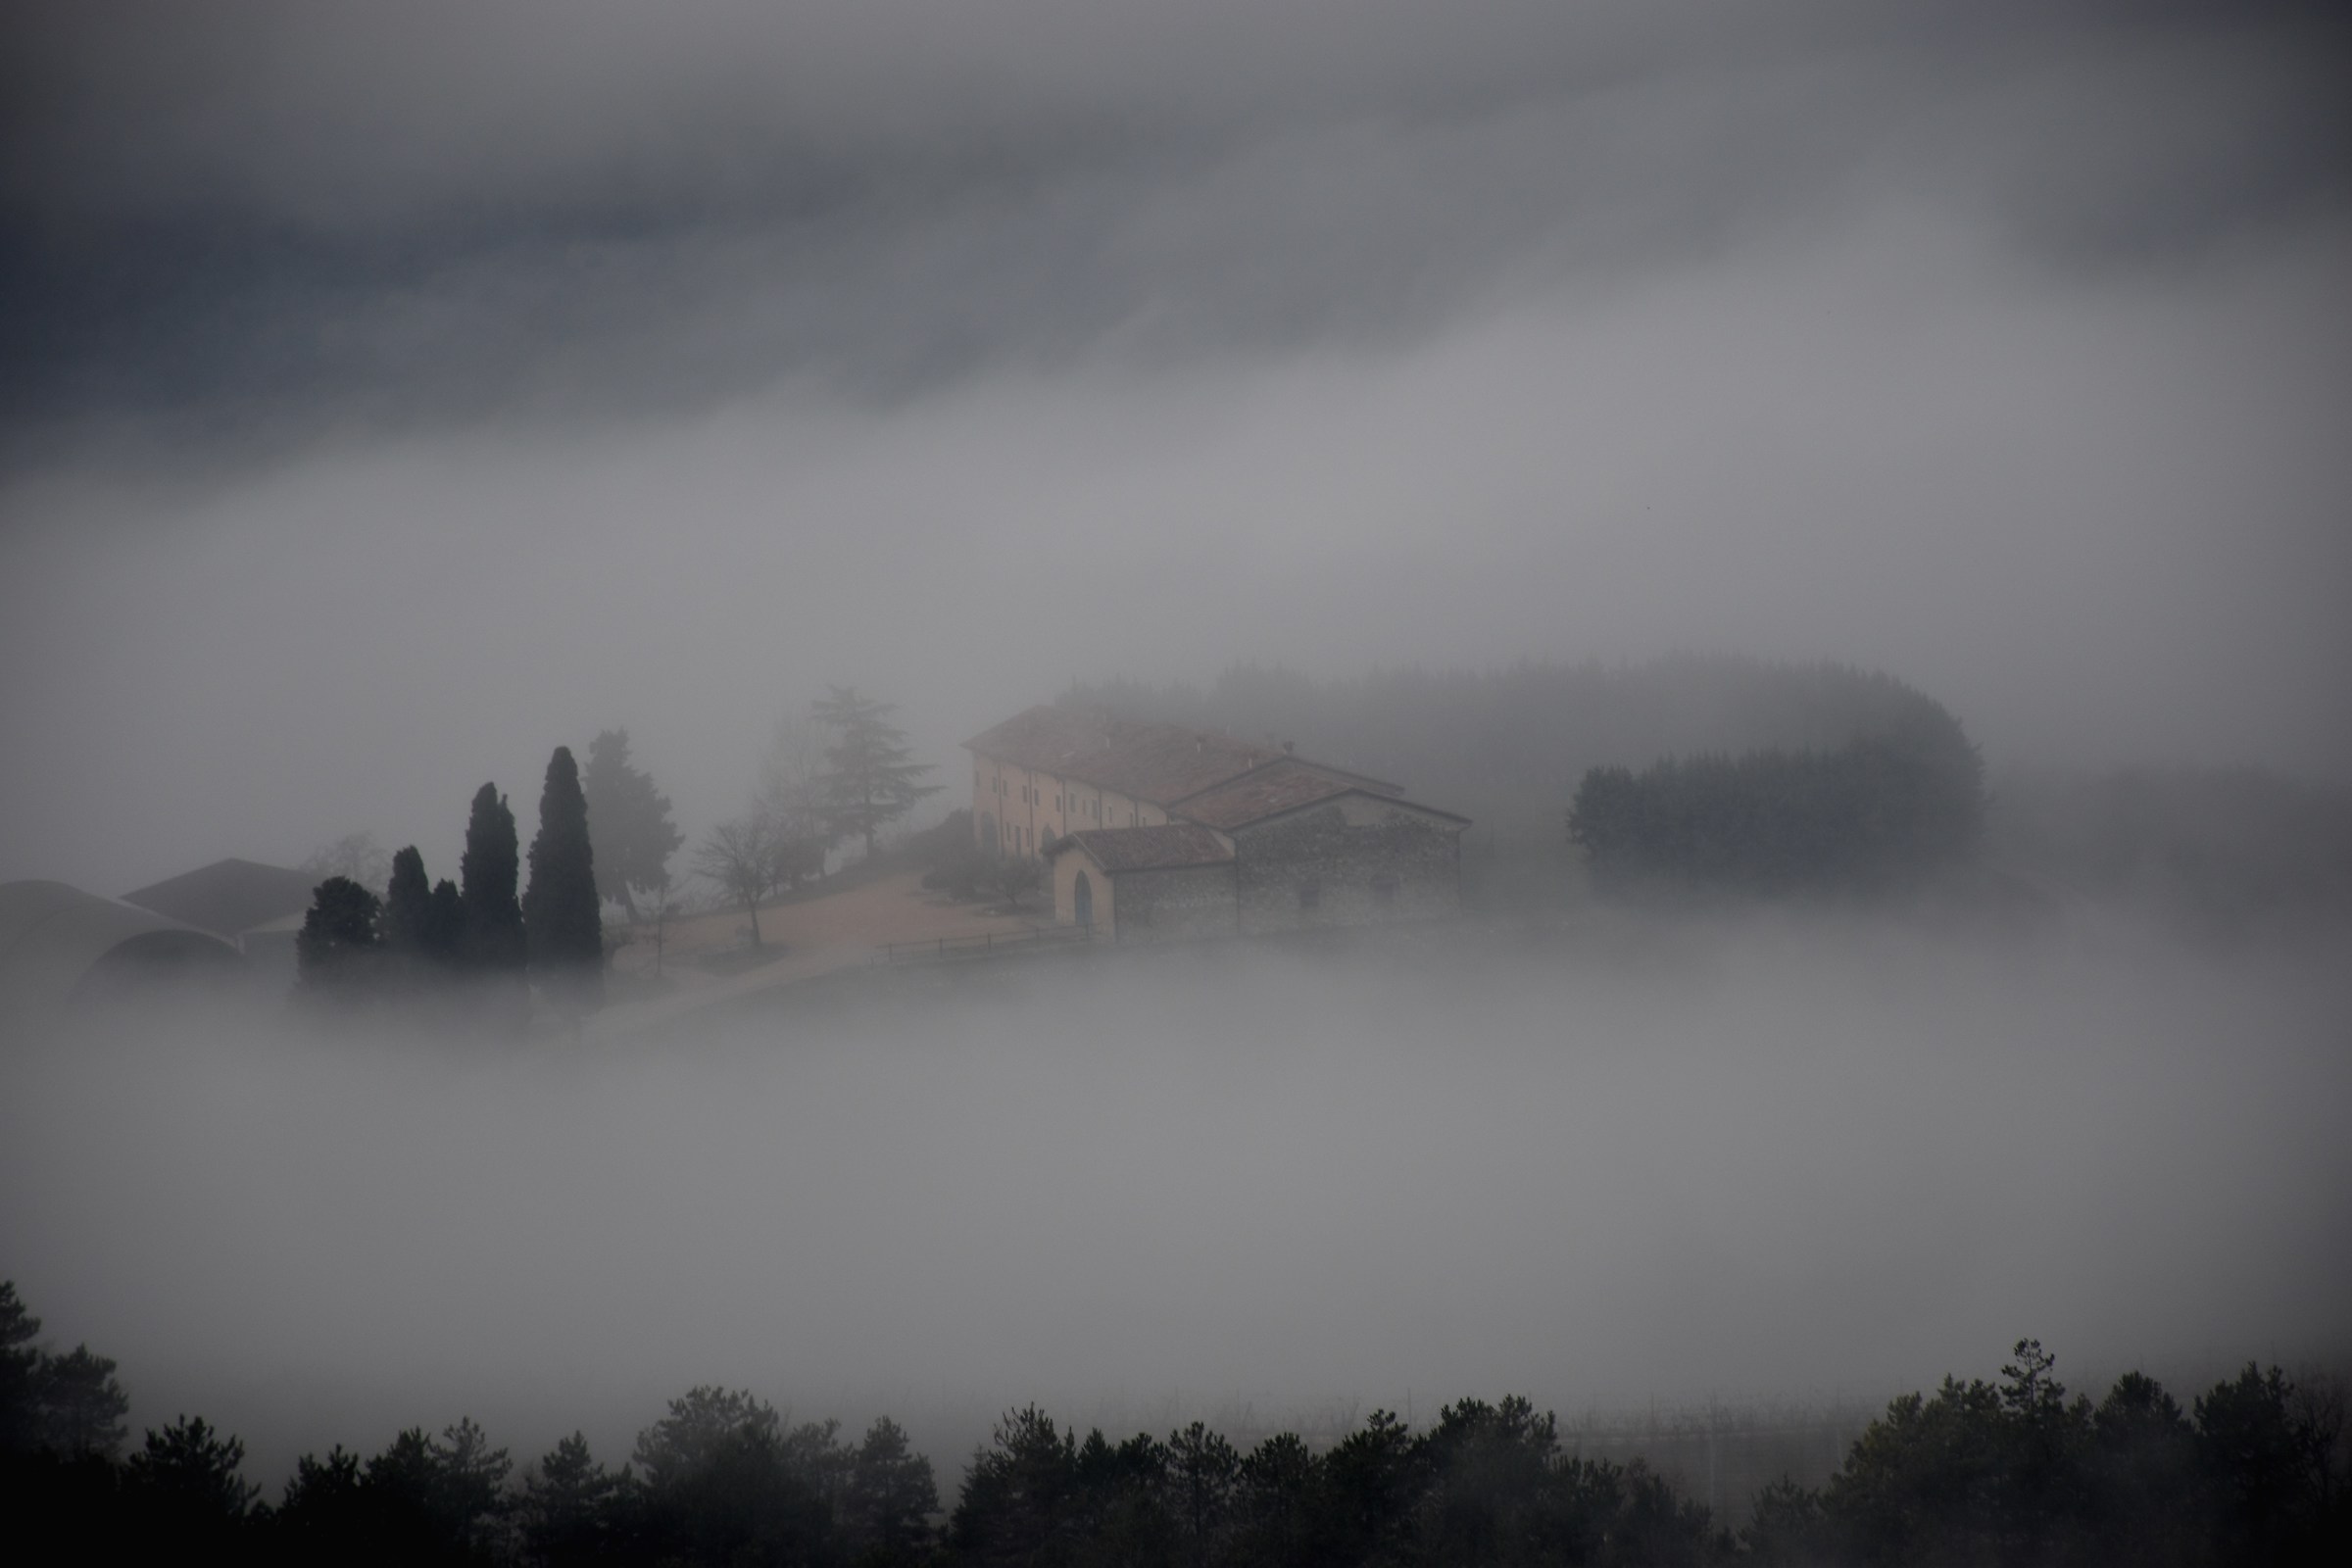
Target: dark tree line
1487, 1483
2017, 1473
2008, 1474
1886, 809
473, 944
720, 1479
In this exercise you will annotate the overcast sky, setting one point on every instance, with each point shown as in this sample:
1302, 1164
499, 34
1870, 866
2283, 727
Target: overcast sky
389, 394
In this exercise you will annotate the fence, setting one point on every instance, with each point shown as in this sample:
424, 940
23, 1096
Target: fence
986, 945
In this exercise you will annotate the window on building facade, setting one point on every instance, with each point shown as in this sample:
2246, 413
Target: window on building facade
1384, 891
1311, 896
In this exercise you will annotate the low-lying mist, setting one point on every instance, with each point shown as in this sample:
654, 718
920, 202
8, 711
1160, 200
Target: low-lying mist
1607, 1163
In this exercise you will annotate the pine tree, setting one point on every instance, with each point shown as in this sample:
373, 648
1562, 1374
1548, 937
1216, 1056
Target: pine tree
890, 1497
81, 1404
566, 1510
492, 943
868, 781
187, 1479
19, 1373
628, 821
559, 915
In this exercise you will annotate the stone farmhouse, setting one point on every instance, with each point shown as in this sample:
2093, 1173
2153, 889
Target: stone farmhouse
1155, 832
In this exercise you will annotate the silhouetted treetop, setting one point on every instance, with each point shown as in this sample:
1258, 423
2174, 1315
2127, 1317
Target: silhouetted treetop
562, 922
2012, 1472
488, 875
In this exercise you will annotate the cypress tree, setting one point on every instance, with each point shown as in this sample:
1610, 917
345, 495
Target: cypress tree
492, 946
408, 906
560, 912
445, 925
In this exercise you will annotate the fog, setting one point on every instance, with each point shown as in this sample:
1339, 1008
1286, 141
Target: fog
1610, 1164
390, 395
394, 397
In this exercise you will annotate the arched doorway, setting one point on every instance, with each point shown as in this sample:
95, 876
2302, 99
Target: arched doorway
1082, 901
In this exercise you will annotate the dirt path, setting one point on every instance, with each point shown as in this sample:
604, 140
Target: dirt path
809, 938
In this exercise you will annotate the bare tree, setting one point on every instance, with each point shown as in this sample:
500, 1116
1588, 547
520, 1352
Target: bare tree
1014, 875
356, 856
748, 860
658, 904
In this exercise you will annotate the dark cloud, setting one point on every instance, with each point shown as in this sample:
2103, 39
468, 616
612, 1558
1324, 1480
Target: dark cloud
444, 214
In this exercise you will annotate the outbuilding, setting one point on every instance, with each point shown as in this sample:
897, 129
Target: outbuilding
1281, 845
1145, 883
59, 944
254, 907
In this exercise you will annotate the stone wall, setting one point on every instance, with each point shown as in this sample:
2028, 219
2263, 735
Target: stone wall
1194, 900
1353, 861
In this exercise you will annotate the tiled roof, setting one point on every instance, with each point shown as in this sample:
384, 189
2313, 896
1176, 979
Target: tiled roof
55, 939
1263, 792
228, 897
1152, 849
1287, 785
1157, 763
